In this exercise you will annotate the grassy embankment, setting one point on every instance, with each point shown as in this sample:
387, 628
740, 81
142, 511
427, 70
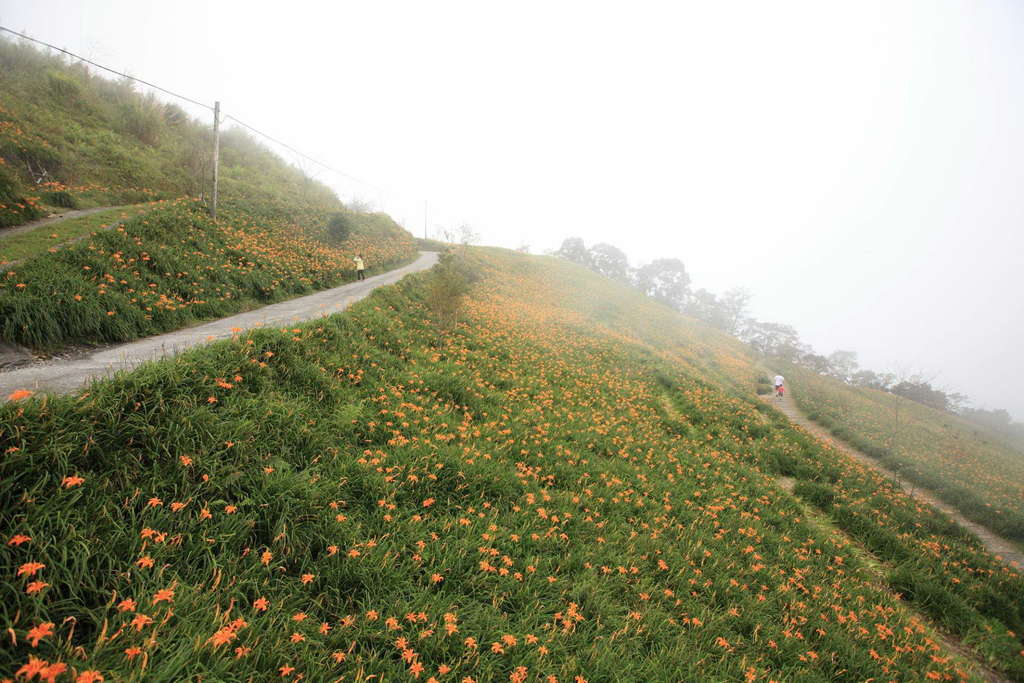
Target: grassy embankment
963, 463
173, 266
72, 139
574, 481
53, 236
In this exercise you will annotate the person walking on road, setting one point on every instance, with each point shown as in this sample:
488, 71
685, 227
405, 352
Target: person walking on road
780, 390
360, 267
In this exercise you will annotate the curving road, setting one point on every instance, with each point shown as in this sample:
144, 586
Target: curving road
65, 376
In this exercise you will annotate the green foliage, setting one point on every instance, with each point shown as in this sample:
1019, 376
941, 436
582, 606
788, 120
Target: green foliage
530, 475
448, 284
170, 267
144, 119
431, 245
60, 198
63, 85
339, 227
91, 141
15, 208
982, 477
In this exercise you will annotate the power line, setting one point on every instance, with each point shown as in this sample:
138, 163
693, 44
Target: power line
304, 156
100, 66
196, 102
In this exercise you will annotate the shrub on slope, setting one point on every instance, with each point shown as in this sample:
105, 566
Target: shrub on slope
509, 500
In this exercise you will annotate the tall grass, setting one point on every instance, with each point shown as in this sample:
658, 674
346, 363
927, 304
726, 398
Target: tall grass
73, 139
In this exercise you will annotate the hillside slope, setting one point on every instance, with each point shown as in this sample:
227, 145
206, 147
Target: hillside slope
69, 138
572, 483
963, 463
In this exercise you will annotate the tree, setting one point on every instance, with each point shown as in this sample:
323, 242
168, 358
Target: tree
842, 365
609, 261
665, 280
867, 378
920, 391
957, 402
815, 362
704, 305
360, 205
773, 340
573, 249
733, 305
464, 235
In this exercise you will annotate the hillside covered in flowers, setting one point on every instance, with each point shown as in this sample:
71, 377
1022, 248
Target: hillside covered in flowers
72, 139
564, 481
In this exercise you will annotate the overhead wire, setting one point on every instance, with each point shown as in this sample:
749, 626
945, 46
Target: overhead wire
301, 154
106, 68
197, 103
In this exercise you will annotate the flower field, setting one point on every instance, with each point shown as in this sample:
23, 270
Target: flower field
961, 462
572, 484
174, 266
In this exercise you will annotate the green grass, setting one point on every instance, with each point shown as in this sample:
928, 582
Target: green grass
571, 481
173, 266
101, 143
39, 241
961, 462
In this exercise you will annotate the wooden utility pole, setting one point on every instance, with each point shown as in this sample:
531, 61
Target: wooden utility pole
216, 156
424, 219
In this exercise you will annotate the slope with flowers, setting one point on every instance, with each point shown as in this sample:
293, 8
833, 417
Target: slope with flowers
965, 464
174, 265
70, 138
570, 484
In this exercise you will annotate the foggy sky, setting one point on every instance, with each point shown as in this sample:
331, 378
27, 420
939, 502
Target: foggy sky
856, 165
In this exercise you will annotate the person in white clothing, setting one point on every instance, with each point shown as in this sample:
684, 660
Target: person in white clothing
779, 380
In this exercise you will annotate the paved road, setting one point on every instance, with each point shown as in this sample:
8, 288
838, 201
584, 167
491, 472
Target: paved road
65, 376
997, 545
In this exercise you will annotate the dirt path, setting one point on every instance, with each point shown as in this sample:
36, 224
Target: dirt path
43, 222
997, 545
66, 376
874, 566
61, 218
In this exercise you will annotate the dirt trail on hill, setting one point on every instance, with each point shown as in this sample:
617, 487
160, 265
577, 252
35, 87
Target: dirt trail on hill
997, 545
67, 215
66, 376
60, 219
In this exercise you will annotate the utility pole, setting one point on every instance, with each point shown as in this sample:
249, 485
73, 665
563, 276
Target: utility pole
424, 219
216, 156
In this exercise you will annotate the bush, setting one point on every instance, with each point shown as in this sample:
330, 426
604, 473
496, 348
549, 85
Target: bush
339, 228
449, 283
63, 86
143, 119
60, 198
15, 209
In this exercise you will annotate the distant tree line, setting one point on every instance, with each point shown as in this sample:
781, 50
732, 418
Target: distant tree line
666, 280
